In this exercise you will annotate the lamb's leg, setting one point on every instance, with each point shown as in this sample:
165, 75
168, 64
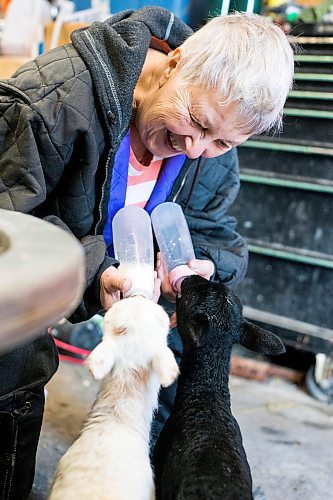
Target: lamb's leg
166, 367
101, 360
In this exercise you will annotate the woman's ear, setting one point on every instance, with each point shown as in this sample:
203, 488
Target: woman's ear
257, 339
172, 63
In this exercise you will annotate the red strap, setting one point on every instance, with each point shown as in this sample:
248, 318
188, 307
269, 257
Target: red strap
71, 348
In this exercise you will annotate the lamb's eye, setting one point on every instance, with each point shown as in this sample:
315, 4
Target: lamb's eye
120, 330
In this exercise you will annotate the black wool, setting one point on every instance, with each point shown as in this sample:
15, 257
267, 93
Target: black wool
199, 454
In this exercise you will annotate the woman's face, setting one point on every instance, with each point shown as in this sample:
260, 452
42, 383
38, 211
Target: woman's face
174, 119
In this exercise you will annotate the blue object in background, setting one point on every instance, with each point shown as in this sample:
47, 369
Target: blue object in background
82, 4
178, 7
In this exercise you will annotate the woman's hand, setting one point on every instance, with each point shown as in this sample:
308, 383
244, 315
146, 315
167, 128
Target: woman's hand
204, 268
111, 284
166, 289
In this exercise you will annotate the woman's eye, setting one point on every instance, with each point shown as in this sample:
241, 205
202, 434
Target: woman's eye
223, 145
197, 123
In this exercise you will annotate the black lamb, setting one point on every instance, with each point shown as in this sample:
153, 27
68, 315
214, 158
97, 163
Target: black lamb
199, 454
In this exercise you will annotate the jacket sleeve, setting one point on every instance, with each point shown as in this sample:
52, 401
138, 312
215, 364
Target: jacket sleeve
97, 260
31, 165
22, 180
212, 228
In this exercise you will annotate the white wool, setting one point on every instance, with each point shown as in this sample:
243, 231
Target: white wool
110, 459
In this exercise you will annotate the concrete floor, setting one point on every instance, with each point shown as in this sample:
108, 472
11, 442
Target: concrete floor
287, 435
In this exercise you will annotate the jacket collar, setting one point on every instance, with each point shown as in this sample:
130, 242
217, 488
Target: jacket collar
115, 51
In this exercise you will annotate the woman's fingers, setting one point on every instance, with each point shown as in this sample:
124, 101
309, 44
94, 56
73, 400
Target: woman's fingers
166, 289
112, 282
204, 268
113, 279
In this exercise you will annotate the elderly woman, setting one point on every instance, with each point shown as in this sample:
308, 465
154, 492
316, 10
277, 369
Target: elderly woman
137, 110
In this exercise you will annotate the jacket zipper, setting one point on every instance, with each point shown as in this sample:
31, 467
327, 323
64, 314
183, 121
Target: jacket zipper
21, 411
15, 413
99, 220
194, 181
111, 152
180, 187
12, 464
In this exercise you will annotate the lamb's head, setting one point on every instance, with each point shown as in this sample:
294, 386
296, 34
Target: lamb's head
206, 310
133, 331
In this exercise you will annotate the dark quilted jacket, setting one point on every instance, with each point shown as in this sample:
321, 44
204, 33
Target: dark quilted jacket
62, 117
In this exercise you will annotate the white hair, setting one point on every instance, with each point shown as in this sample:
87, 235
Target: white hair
245, 58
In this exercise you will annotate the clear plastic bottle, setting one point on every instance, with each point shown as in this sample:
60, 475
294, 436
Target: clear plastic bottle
133, 247
174, 241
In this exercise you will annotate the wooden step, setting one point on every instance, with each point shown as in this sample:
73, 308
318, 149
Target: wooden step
311, 40
300, 110
310, 94
313, 76
314, 58
302, 334
301, 146
292, 254
283, 163
287, 181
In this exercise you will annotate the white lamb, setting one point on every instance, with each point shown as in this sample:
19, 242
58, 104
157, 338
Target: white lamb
110, 459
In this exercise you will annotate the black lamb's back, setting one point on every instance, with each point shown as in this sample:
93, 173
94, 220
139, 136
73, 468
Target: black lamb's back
199, 454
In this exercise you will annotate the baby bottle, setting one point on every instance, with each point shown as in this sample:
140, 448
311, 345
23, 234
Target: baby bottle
174, 241
133, 248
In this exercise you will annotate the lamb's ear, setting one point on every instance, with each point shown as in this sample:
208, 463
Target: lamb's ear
101, 360
196, 325
257, 339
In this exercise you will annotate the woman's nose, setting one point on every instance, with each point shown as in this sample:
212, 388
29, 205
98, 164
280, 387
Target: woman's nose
195, 146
